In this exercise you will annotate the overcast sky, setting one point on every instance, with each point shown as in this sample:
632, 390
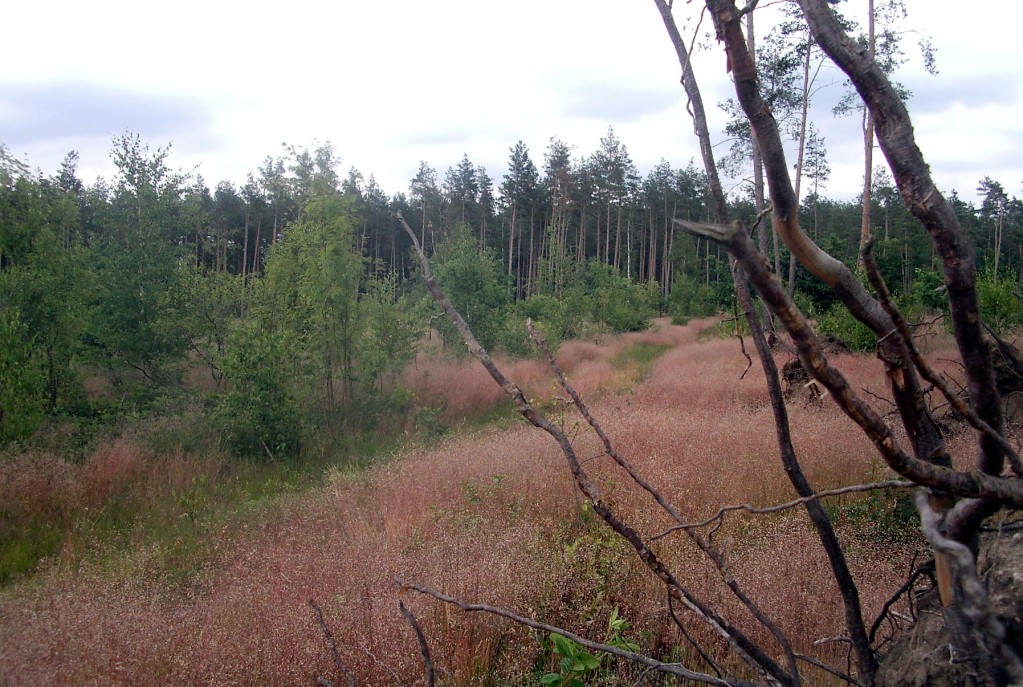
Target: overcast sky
393, 83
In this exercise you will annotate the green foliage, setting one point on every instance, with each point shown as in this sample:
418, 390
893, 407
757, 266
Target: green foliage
692, 298
212, 303
392, 328
311, 294
474, 282
549, 315
883, 515
642, 355
840, 322
928, 291
137, 319
1001, 302
22, 379
612, 300
23, 546
259, 415
576, 664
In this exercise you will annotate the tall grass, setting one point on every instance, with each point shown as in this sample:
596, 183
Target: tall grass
487, 514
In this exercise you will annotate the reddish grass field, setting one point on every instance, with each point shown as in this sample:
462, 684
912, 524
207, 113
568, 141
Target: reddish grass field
488, 515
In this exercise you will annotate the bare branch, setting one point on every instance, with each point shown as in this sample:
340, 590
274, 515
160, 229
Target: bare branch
873, 486
930, 474
926, 568
332, 644
424, 648
689, 638
954, 399
747, 649
828, 669
716, 556
922, 198
669, 668
722, 233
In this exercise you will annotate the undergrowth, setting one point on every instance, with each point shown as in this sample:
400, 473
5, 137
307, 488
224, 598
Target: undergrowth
168, 560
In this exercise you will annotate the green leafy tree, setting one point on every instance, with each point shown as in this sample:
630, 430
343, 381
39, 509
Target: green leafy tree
391, 331
258, 414
474, 281
136, 316
43, 281
212, 303
22, 378
311, 291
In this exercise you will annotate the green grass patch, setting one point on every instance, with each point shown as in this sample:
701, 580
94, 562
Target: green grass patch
641, 356
21, 550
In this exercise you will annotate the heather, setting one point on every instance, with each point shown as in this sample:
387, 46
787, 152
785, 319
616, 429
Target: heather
487, 513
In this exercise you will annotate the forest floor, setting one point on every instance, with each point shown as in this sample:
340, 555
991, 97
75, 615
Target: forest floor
487, 513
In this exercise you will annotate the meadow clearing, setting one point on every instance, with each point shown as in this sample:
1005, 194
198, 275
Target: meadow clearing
486, 512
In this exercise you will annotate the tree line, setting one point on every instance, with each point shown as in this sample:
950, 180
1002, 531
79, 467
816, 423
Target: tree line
132, 276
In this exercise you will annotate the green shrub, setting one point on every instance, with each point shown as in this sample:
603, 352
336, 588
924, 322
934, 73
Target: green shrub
1001, 304
840, 322
691, 298
258, 414
548, 314
22, 380
928, 291
618, 303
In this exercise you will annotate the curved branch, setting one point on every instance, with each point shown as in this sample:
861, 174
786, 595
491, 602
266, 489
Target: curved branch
642, 659
922, 198
424, 648
712, 552
752, 653
930, 474
788, 505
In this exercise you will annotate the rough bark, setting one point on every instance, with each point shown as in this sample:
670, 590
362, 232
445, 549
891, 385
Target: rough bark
866, 662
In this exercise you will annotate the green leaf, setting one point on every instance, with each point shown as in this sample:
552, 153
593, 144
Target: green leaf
587, 661
563, 645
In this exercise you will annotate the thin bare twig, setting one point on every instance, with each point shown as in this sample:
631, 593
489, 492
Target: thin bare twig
689, 638
828, 669
715, 555
748, 650
642, 659
424, 648
332, 643
742, 341
927, 568
873, 486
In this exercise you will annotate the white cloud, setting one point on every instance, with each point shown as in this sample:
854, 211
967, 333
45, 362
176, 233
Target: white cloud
394, 83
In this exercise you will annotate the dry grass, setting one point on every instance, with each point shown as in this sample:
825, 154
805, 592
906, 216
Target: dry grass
489, 515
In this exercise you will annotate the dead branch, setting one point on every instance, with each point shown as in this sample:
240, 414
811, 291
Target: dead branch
332, 645
715, 555
754, 655
954, 399
929, 474
689, 638
424, 648
922, 198
873, 486
669, 668
925, 569
828, 669
850, 595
